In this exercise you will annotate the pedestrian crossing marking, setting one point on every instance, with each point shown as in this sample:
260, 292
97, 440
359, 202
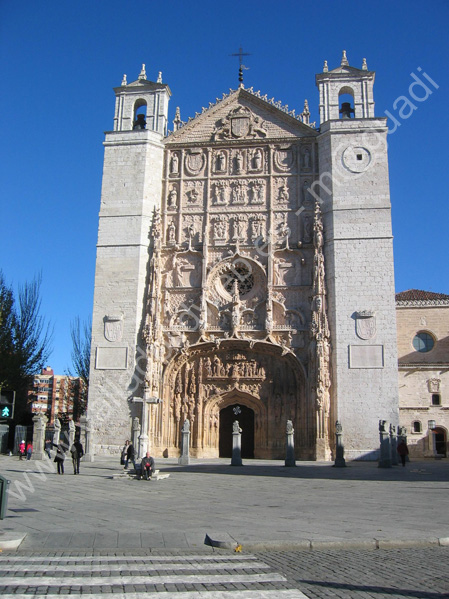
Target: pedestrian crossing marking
276, 594
117, 558
44, 576
55, 581
134, 566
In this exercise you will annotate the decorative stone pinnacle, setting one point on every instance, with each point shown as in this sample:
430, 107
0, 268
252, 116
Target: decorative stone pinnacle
124, 82
325, 67
143, 74
364, 65
305, 114
344, 60
159, 77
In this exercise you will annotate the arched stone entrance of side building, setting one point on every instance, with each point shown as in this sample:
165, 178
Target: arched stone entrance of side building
206, 381
440, 436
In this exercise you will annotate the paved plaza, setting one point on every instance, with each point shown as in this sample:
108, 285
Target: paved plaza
309, 532
261, 505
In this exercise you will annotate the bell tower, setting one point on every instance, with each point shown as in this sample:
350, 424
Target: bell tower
353, 190
131, 190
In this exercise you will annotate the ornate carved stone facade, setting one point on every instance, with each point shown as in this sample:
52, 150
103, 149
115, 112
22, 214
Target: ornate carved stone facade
234, 289
235, 303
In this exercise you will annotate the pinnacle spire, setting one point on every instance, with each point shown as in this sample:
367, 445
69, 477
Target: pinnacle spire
305, 114
344, 60
124, 82
177, 122
325, 67
143, 73
159, 77
364, 65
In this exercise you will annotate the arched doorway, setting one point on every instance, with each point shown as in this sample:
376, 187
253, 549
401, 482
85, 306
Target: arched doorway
440, 441
245, 417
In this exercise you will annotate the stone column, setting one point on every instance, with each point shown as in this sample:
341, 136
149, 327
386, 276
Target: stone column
236, 444
72, 431
143, 437
340, 461
290, 450
393, 445
39, 422
385, 451
135, 433
57, 432
86, 427
184, 458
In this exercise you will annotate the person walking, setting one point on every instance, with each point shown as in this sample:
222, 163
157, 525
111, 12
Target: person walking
48, 446
60, 457
22, 450
130, 455
29, 451
77, 452
402, 450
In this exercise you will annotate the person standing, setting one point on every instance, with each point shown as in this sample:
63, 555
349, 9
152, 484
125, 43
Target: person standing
124, 452
77, 452
22, 450
60, 457
130, 455
402, 450
29, 451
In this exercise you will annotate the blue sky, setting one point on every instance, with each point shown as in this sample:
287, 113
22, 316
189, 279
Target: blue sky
60, 60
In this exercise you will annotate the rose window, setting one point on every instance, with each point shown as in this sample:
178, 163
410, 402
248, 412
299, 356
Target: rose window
240, 273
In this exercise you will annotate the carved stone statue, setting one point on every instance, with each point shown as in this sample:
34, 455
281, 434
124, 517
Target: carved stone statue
171, 233
172, 198
221, 162
174, 164
257, 160
306, 159
238, 163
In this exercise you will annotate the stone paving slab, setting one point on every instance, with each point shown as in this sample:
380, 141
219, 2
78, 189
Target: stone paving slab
262, 504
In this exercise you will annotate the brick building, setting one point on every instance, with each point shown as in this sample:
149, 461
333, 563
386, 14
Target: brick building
423, 351
55, 395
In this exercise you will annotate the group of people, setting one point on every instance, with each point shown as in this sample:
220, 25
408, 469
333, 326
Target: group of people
146, 466
76, 452
28, 450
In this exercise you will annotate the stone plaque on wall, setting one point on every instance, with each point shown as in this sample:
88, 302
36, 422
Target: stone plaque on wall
366, 356
111, 358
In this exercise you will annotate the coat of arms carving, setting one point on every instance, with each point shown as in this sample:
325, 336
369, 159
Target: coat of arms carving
194, 162
434, 385
284, 158
240, 123
113, 327
365, 323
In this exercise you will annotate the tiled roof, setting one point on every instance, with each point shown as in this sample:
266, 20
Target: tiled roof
418, 296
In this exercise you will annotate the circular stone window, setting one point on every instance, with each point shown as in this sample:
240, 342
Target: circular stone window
237, 272
423, 342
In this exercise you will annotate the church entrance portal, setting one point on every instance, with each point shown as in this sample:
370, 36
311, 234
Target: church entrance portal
246, 421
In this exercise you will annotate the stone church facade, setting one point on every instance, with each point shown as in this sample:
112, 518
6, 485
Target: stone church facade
245, 272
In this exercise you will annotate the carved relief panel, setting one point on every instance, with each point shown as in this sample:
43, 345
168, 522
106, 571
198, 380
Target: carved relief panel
193, 199
192, 228
183, 269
